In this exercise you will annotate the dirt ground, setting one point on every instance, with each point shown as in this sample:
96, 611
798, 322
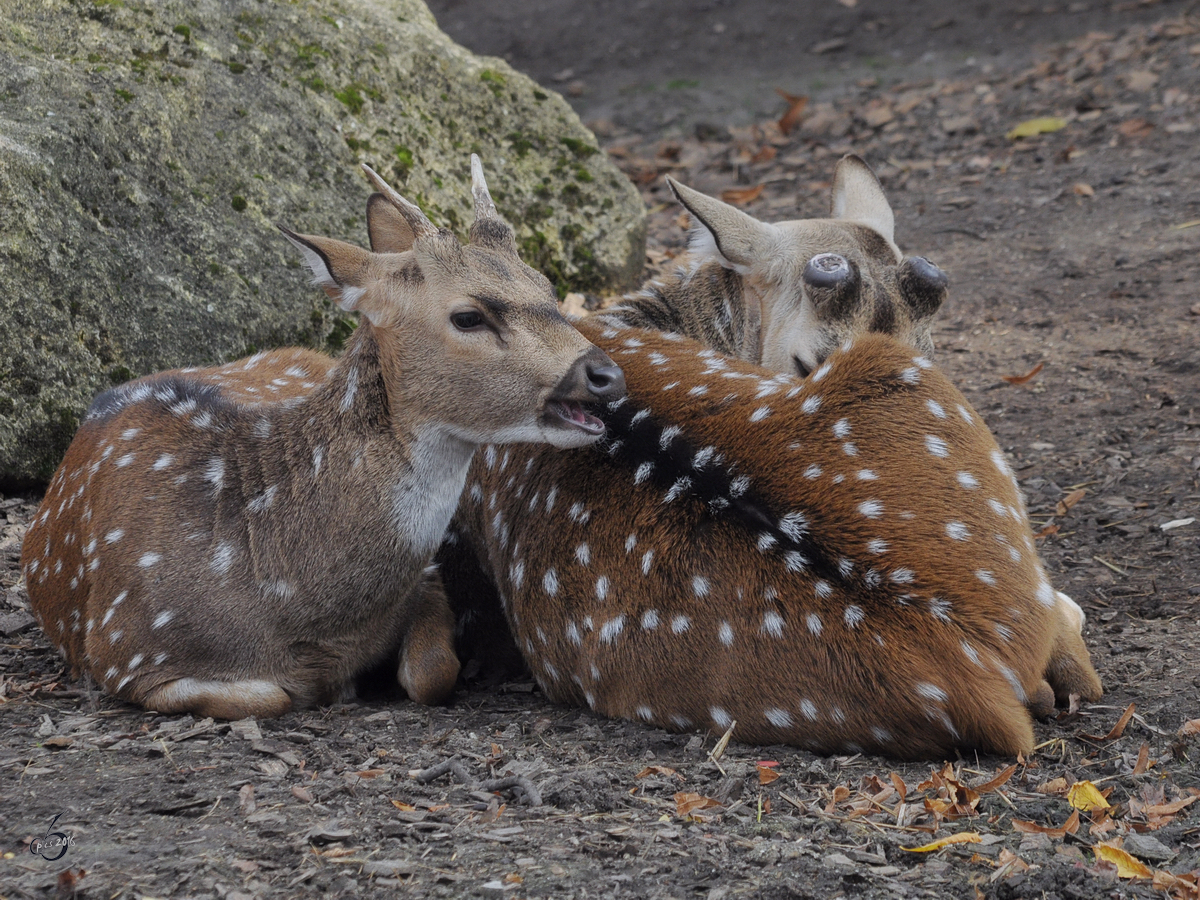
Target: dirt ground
1072, 253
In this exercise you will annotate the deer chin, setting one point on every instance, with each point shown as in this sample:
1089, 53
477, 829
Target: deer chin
570, 415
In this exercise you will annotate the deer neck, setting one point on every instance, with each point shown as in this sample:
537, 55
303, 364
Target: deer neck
706, 302
377, 425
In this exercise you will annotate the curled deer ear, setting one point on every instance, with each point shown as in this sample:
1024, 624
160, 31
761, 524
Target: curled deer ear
722, 231
489, 230
858, 197
338, 267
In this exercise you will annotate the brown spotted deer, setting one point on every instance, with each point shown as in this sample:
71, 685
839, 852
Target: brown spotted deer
842, 562
241, 540
554, 534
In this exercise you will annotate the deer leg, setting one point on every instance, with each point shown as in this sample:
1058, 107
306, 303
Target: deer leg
1070, 668
220, 699
428, 664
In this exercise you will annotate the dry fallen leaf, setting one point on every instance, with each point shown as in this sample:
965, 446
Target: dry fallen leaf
1118, 729
658, 770
406, 807
963, 837
1143, 760
999, 781
1031, 127
1053, 786
1135, 128
765, 154
687, 803
1068, 501
1086, 796
1083, 189
1192, 726
795, 111
1068, 827
900, 786
742, 196
1046, 532
766, 775
1023, 379
1127, 866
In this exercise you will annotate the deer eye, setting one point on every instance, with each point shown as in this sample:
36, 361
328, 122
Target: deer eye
467, 321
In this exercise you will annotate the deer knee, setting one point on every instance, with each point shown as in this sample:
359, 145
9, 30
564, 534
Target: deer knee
1041, 702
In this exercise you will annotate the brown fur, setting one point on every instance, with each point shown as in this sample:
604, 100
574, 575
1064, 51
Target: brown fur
938, 641
238, 540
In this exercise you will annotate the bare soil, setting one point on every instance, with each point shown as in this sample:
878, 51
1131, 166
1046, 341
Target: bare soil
1074, 251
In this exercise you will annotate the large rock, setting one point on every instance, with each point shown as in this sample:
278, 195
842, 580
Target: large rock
147, 146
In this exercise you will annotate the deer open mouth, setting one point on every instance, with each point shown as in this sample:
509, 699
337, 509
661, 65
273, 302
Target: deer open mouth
571, 414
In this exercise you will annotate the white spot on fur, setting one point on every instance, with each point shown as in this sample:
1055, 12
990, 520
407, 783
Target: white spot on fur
650, 620
680, 624
936, 408
986, 577
759, 414
550, 582
813, 621
611, 629
936, 446
931, 692
967, 480
163, 461
853, 616
772, 624
810, 405
720, 717
725, 634
149, 559
957, 531
872, 509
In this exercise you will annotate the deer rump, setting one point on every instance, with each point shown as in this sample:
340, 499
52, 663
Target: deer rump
842, 563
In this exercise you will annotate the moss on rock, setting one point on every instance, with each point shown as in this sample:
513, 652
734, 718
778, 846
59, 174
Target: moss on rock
148, 146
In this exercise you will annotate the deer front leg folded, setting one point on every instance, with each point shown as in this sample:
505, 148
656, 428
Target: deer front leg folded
428, 663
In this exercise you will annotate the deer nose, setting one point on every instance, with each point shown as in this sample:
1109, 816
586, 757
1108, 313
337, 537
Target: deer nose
605, 380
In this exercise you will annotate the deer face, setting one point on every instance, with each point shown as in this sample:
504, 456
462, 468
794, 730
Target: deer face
819, 282
472, 324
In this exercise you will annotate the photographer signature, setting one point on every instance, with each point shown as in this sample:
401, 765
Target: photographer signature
53, 844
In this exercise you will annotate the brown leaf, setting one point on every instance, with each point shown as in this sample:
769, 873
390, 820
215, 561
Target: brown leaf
658, 770
1023, 379
304, 795
399, 804
1068, 827
1053, 786
1135, 128
1192, 726
1083, 189
1169, 809
1048, 531
687, 803
742, 196
1143, 760
900, 786
1000, 780
1118, 729
765, 154
766, 775
1068, 501
795, 111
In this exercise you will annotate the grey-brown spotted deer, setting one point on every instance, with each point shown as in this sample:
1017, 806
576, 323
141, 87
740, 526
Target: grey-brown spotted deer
239, 540
841, 563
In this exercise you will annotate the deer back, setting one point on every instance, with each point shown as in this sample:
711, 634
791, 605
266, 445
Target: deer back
840, 563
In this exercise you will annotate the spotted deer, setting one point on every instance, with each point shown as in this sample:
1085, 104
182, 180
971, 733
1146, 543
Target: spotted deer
841, 563
240, 540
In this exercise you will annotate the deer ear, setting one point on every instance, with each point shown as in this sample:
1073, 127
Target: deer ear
857, 196
722, 231
338, 267
389, 231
